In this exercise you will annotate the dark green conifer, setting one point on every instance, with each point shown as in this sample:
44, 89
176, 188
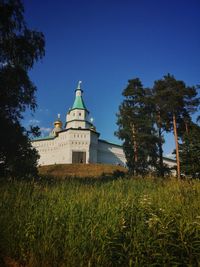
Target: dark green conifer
136, 128
190, 151
176, 102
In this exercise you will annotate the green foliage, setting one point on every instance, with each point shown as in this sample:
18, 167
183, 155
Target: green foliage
136, 128
130, 222
145, 114
190, 152
174, 102
19, 159
173, 96
20, 48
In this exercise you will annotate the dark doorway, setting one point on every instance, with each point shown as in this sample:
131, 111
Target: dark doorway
78, 157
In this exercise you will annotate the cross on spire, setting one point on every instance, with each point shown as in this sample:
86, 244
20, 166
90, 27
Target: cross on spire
79, 85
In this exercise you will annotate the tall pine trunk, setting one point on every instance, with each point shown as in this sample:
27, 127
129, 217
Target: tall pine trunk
177, 148
186, 127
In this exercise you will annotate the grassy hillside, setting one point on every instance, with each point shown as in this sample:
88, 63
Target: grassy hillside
80, 170
129, 222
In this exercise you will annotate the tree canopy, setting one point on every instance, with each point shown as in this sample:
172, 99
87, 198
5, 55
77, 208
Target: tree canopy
190, 151
135, 122
176, 102
20, 48
146, 113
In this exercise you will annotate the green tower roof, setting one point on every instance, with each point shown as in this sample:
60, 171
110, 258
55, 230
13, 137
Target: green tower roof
79, 103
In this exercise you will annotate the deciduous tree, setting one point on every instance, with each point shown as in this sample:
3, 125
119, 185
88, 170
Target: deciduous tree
20, 48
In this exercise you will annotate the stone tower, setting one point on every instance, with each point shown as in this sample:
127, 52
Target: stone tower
77, 116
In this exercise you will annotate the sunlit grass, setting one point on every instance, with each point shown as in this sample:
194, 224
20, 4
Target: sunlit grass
126, 222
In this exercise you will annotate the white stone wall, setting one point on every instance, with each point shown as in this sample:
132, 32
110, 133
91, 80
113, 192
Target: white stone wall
77, 118
59, 150
113, 154
76, 124
53, 151
110, 153
79, 142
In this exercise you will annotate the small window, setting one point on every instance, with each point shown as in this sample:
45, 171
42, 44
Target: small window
79, 114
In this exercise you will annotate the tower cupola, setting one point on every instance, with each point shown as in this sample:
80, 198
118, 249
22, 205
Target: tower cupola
57, 127
78, 116
78, 102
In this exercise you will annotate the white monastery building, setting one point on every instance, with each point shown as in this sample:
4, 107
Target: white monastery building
78, 141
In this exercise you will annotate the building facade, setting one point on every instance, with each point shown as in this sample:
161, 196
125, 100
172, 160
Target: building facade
78, 141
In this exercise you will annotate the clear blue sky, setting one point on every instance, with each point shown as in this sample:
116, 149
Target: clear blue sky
104, 43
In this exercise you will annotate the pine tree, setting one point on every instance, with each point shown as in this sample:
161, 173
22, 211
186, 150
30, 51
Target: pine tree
190, 151
176, 102
136, 128
157, 101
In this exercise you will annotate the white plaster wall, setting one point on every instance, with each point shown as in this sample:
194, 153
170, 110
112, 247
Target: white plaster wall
113, 154
47, 150
59, 150
78, 124
79, 141
110, 153
53, 151
76, 114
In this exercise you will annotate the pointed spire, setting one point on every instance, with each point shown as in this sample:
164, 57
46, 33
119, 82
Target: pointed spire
79, 85
78, 90
78, 102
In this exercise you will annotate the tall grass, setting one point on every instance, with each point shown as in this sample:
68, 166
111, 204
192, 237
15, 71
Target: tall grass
129, 222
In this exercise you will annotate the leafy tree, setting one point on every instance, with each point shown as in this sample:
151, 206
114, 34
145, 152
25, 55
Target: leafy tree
175, 102
20, 48
136, 128
190, 151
